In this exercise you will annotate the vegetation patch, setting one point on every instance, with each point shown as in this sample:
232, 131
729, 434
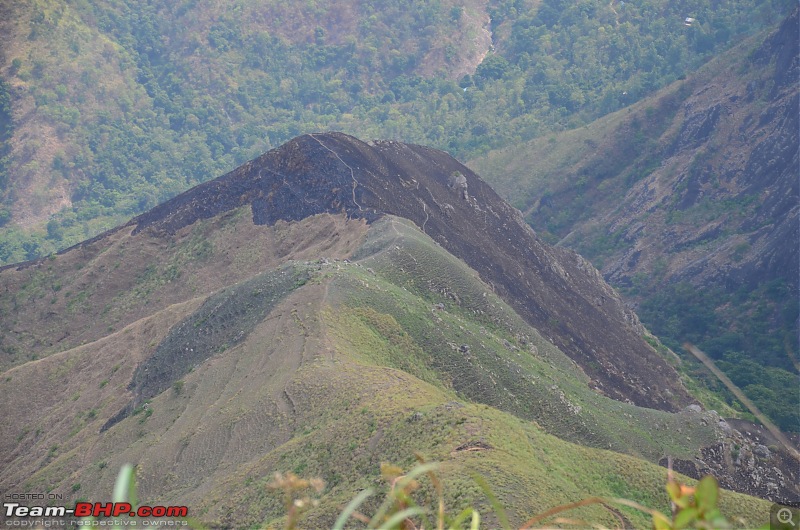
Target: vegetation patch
224, 320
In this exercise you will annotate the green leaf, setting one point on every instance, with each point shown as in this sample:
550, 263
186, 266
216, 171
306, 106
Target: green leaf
125, 486
685, 517
674, 490
397, 492
658, 524
419, 470
682, 502
458, 522
476, 521
661, 524
396, 520
707, 493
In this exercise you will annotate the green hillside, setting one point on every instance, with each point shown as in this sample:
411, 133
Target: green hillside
327, 368
117, 105
688, 203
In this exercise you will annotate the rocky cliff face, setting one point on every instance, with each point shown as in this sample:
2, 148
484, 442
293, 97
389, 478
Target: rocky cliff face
745, 458
687, 202
556, 290
703, 176
727, 186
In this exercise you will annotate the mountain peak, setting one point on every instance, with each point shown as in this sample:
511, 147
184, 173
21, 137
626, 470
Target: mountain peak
328, 282
554, 289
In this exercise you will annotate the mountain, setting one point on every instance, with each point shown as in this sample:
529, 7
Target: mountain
335, 304
688, 203
554, 289
110, 107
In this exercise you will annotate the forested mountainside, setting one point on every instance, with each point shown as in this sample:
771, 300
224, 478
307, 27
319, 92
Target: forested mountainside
333, 305
109, 107
688, 203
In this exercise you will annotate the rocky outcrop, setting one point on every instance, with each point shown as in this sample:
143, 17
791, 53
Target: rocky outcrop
556, 290
694, 190
746, 458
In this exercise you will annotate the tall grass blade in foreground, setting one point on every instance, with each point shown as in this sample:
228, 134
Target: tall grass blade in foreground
125, 486
771, 427
351, 507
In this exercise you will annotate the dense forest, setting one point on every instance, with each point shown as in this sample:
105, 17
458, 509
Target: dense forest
751, 339
137, 101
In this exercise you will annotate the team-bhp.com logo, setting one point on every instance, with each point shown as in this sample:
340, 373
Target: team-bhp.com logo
91, 509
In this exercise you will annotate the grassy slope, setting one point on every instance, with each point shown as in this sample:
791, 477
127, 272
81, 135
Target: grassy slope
351, 370
498, 368
103, 286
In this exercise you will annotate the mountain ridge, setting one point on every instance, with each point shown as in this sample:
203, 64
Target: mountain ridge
211, 350
335, 182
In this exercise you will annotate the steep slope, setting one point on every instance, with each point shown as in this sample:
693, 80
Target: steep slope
688, 202
282, 317
398, 348
553, 289
77, 76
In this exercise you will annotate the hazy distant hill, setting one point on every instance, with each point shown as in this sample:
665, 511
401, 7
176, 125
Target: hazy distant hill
109, 107
688, 203
330, 306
